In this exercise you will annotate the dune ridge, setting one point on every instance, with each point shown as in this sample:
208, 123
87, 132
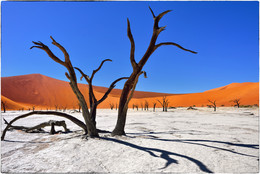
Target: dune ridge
45, 92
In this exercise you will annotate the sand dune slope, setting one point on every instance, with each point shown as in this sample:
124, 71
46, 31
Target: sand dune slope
46, 92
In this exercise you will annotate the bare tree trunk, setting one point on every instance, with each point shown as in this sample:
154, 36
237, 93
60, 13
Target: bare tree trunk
137, 69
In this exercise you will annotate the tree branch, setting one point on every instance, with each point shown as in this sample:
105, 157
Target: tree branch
66, 55
174, 44
71, 118
95, 71
132, 52
41, 46
86, 77
110, 89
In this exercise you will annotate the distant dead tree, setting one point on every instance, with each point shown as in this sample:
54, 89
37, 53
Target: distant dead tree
111, 106
33, 108
56, 107
130, 84
154, 105
165, 102
142, 106
79, 106
137, 106
3, 105
64, 108
146, 105
213, 104
236, 101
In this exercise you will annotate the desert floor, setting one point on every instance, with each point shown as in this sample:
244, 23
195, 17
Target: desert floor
180, 140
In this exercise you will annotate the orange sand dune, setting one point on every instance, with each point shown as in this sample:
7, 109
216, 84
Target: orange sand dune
10, 105
248, 93
46, 92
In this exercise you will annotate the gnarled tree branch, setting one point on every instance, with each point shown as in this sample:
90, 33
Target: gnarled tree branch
132, 51
71, 118
95, 71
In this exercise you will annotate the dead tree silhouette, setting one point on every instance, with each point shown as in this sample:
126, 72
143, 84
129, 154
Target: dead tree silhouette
154, 105
71, 75
111, 106
4, 105
130, 84
237, 102
213, 104
165, 102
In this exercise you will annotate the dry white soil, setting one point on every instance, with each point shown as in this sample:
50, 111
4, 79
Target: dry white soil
180, 140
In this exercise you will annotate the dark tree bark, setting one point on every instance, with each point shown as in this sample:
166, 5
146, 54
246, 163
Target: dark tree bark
71, 118
137, 68
213, 104
92, 131
3, 105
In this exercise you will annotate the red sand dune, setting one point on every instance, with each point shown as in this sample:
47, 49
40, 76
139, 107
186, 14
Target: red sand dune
46, 92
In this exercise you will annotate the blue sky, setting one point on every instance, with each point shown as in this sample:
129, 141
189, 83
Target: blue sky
225, 35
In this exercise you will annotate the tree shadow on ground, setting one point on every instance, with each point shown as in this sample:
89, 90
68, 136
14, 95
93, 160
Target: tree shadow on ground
150, 135
164, 154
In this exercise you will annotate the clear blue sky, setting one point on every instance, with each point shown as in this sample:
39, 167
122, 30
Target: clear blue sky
225, 35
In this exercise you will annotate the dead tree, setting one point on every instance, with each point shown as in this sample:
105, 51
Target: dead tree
92, 98
213, 104
71, 75
64, 115
3, 105
130, 84
137, 106
33, 108
111, 106
142, 106
64, 108
79, 106
56, 107
237, 102
165, 102
146, 105
154, 105
39, 127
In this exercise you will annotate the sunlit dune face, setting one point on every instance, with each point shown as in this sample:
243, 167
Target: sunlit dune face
47, 93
